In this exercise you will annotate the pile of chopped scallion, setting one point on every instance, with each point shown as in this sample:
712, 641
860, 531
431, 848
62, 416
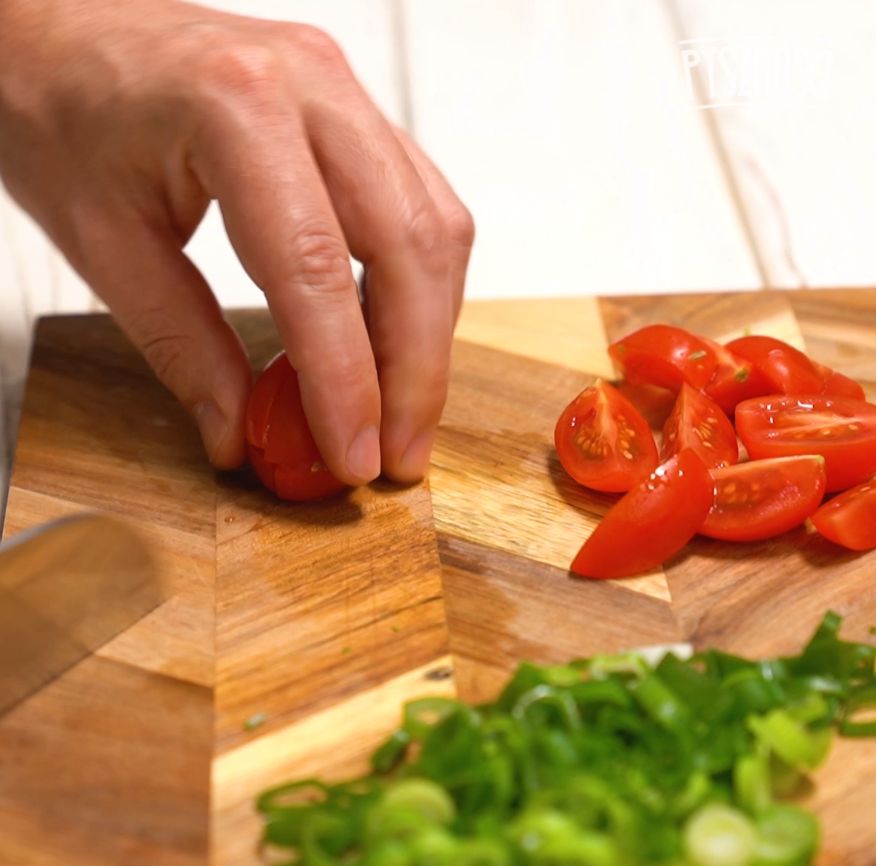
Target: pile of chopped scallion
606, 761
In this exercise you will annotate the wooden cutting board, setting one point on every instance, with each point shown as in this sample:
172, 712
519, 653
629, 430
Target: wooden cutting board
293, 633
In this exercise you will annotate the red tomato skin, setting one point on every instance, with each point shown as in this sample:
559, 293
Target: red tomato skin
735, 379
848, 462
596, 409
697, 422
838, 385
788, 370
664, 355
850, 518
651, 523
281, 448
796, 487
261, 399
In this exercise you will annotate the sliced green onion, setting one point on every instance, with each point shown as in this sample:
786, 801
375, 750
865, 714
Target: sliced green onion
719, 835
786, 836
617, 760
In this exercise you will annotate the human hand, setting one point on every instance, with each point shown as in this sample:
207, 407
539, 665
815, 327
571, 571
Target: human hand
121, 119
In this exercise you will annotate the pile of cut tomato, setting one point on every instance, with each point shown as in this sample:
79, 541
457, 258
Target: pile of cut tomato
806, 432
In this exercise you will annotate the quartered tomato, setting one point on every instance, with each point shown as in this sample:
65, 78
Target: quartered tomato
664, 355
697, 422
651, 523
281, 449
840, 429
735, 379
787, 369
603, 442
764, 498
837, 385
790, 371
850, 518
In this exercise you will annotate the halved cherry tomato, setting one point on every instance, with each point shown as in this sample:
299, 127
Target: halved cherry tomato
664, 355
735, 379
764, 498
840, 429
603, 442
697, 422
850, 518
651, 523
281, 448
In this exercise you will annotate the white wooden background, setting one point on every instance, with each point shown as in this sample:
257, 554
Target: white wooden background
575, 131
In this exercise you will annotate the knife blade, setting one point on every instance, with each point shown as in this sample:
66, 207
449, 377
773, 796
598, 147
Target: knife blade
66, 590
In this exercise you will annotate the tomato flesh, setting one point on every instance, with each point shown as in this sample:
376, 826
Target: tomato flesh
603, 442
664, 355
697, 422
840, 429
764, 498
651, 523
281, 448
850, 518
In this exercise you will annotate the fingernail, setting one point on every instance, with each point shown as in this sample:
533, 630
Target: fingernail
212, 424
363, 455
415, 462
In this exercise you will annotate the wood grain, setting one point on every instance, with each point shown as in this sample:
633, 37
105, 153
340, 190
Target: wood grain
302, 629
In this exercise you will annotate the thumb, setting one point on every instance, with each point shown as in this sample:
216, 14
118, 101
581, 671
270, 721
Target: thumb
165, 307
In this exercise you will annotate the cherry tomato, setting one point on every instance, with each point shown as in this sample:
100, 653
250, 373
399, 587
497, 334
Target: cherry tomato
651, 523
840, 429
850, 518
603, 442
764, 498
735, 379
787, 369
838, 385
281, 449
697, 422
664, 355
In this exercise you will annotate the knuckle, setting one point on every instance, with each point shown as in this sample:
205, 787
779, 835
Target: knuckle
425, 231
241, 70
461, 226
318, 45
320, 260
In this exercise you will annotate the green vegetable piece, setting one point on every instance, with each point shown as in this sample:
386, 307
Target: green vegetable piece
422, 715
752, 783
661, 704
435, 847
393, 750
420, 797
482, 852
862, 699
789, 739
786, 836
720, 835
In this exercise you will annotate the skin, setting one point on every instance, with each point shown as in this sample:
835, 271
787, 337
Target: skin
120, 120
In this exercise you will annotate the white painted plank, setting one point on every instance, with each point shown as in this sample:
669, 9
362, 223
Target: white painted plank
802, 143
567, 129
